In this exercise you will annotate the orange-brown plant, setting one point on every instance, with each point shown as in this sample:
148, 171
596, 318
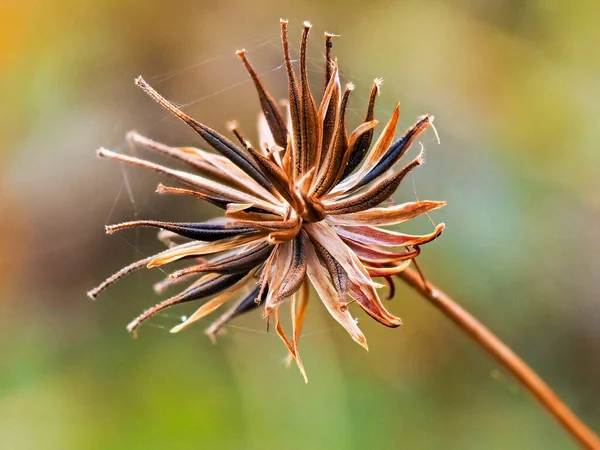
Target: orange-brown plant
300, 207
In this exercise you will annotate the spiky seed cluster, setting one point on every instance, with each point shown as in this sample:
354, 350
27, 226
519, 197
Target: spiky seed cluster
301, 207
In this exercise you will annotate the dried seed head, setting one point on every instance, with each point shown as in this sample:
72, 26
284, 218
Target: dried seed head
301, 207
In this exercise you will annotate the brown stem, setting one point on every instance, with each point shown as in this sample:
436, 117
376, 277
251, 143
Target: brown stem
505, 356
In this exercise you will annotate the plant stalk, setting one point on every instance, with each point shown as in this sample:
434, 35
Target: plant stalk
506, 357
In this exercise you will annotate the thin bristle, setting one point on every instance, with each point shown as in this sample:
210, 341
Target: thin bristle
328, 61
93, 293
437, 136
294, 107
110, 229
233, 127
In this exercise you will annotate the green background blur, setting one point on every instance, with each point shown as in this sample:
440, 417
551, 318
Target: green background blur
515, 88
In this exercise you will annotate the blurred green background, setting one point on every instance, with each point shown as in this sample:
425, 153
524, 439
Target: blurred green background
514, 86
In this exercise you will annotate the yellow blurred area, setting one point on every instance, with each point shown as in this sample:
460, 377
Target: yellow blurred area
513, 86
14, 32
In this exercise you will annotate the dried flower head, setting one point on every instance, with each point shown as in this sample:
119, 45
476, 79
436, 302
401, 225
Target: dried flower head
303, 206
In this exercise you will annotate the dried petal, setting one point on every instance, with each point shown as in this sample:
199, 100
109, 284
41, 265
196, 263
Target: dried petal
213, 304
327, 237
240, 262
374, 255
386, 238
338, 275
358, 149
330, 298
369, 301
374, 196
288, 344
203, 248
386, 216
298, 315
387, 271
294, 277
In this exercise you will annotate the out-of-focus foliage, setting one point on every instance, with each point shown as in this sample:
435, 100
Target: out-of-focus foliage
514, 86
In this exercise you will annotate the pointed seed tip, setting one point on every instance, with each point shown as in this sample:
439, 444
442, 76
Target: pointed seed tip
211, 335
307, 24
161, 189
241, 52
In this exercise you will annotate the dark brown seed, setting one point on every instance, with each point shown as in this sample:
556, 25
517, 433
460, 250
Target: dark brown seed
242, 262
269, 106
199, 231
362, 144
216, 140
396, 151
295, 105
375, 195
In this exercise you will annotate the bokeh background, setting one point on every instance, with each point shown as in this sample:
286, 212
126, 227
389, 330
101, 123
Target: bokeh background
514, 86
